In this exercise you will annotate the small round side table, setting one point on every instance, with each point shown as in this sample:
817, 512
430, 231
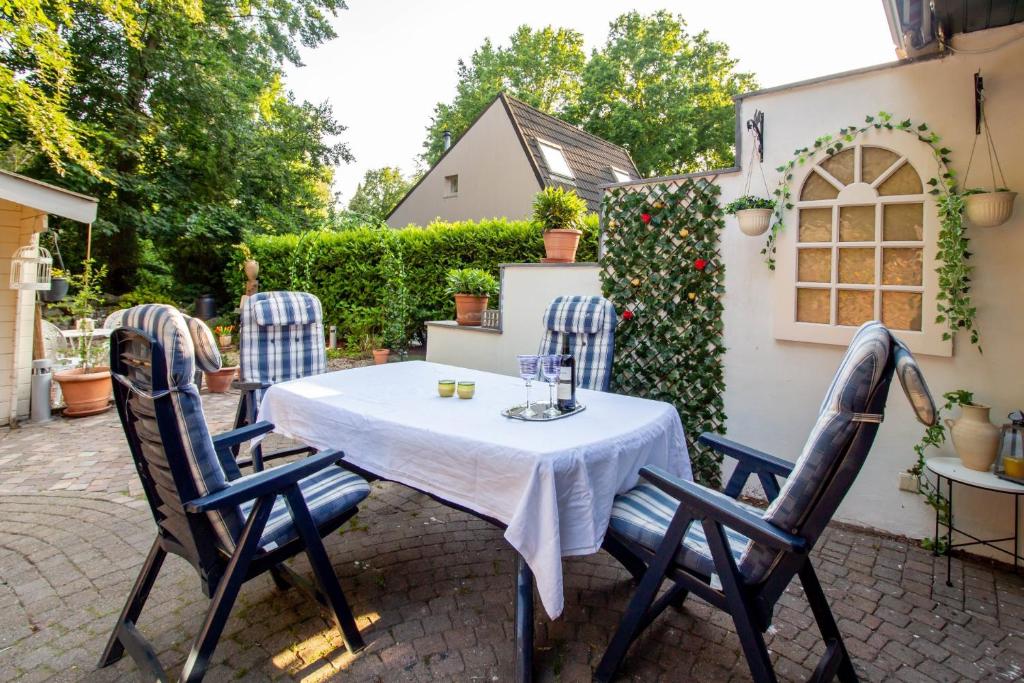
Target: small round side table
953, 471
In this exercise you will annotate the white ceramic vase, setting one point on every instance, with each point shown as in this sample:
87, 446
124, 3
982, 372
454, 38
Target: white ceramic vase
975, 438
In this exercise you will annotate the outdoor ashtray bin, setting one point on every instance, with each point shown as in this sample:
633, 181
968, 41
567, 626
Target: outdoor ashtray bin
42, 381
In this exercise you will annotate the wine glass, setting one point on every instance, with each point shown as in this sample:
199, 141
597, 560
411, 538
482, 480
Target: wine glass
551, 368
528, 364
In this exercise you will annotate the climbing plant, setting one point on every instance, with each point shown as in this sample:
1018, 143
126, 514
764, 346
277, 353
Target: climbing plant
662, 270
955, 308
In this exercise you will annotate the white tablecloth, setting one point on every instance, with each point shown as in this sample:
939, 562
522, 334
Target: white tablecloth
551, 483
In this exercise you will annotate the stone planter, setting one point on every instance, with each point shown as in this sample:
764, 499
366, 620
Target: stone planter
989, 209
85, 393
224, 341
560, 245
754, 222
469, 309
380, 356
975, 438
219, 381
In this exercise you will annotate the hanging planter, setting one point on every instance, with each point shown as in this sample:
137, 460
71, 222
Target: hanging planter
58, 290
988, 209
753, 213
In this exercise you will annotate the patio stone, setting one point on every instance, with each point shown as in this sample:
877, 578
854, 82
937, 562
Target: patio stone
432, 592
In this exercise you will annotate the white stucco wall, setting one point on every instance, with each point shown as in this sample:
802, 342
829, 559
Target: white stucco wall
526, 291
774, 388
495, 177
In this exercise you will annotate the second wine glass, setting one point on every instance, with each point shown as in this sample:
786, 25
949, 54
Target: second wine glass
551, 369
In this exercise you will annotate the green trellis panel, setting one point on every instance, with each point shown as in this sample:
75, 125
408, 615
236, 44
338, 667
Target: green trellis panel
661, 263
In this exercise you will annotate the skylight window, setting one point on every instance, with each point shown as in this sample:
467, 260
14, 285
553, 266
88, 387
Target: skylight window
555, 160
620, 175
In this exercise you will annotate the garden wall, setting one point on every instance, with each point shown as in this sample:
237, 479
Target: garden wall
342, 268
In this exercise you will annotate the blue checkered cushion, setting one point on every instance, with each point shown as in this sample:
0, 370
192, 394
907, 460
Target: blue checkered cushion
328, 492
589, 322
859, 376
914, 386
643, 514
282, 338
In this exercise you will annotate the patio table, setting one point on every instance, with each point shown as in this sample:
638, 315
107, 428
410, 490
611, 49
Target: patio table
550, 485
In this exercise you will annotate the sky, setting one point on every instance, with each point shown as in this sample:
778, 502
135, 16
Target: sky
393, 60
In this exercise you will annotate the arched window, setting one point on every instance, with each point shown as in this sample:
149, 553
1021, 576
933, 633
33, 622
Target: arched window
863, 222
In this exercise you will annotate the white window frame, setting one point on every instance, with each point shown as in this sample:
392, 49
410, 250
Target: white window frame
929, 339
545, 147
448, 185
620, 175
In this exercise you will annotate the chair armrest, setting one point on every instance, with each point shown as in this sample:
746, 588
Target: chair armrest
709, 504
755, 460
264, 482
241, 435
252, 386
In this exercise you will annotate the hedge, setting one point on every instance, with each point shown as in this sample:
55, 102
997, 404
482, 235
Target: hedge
341, 268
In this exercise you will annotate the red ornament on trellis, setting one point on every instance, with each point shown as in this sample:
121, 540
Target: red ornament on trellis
627, 315
646, 218
700, 264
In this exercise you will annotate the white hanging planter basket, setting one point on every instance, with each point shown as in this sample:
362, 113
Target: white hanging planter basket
30, 268
989, 209
754, 222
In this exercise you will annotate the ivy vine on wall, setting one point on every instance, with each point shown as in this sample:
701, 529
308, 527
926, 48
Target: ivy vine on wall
955, 309
662, 270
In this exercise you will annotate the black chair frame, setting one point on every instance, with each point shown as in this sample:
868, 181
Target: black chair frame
183, 527
751, 606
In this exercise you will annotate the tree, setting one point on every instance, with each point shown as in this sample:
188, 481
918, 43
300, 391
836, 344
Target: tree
664, 95
378, 194
195, 138
542, 67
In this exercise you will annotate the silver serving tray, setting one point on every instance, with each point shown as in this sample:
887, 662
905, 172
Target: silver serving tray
515, 412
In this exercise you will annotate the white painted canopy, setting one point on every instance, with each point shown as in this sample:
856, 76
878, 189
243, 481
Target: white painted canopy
47, 198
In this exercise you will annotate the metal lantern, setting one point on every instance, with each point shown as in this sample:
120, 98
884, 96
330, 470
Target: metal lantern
1011, 445
30, 268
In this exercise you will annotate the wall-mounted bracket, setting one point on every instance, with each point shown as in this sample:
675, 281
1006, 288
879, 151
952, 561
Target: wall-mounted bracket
979, 99
756, 127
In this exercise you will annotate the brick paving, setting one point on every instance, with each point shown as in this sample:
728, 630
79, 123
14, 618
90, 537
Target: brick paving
432, 591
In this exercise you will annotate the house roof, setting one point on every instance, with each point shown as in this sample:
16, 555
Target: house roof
591, 158
47, 198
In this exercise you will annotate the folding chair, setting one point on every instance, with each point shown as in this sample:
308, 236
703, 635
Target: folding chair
281, 338
589, 322
739, 558
229, 528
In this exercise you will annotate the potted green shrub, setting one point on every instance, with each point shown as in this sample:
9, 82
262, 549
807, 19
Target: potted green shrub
753, 213
471, 288
986, 209
86, 388
559, 212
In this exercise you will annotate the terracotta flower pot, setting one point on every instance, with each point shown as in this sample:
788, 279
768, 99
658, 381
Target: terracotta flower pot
219, 381
754, 222
560, 245
469, 308
989, 209
975, 438
380, 356
85, 393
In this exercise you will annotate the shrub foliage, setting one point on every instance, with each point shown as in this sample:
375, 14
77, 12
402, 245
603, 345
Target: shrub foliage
344, 269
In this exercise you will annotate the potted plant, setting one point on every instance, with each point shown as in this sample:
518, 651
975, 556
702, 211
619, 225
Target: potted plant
219, 381
986, 209
472, 288
87, 387
559, 212
58, 287
223, 334
753, 213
